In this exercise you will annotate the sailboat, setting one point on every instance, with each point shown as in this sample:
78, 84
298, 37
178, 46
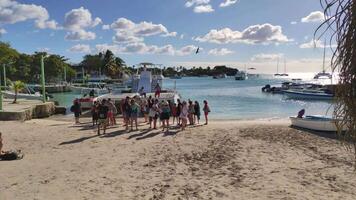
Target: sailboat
285, 69
277, 74
323, 74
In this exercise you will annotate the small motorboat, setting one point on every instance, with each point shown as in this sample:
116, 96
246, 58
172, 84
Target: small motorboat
220, 76
316, 123
308, 95
240, 76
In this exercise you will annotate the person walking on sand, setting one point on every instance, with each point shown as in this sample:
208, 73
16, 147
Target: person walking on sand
135, 108
77, 110
112, 112
184, 115
153, 114
191, 112
206, 110
157, 91
144, 109
103, 116
164, 115
197, 111
179, 110
94, 113
126, 112
173, 108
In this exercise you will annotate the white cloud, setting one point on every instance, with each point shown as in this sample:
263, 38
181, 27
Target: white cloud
142, 48
80, 35
44, 49
191, 3
315, 16
80, 18
12, 12
2, 31
125, 37
200, 6
77, 21
203, 9
106, 27
314, 44
129, 32
187, 50
220, 52
293, 22
80, 48
256, 34
266, 57
228, 3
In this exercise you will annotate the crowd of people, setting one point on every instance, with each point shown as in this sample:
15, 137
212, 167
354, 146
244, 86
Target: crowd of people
155, 112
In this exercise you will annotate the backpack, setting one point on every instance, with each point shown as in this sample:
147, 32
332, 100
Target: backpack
12, 155
72, 109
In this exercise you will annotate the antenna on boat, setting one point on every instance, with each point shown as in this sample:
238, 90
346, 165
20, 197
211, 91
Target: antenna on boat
324, 56
277, 65
285, 66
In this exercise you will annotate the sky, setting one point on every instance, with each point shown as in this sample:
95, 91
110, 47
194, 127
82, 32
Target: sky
236, 33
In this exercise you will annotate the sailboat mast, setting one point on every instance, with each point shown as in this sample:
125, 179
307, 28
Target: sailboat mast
324, 57
277, 65
285, 66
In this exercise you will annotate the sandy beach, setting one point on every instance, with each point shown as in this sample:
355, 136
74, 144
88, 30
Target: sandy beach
224, 160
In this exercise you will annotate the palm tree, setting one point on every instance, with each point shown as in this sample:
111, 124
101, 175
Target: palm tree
341, 22
17, 86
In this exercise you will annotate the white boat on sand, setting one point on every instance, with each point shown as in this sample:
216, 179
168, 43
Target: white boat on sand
316, 123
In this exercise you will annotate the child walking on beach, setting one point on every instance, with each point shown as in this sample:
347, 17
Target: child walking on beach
76, 109
206, 110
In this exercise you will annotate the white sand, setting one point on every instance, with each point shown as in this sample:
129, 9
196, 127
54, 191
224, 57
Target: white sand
224, 160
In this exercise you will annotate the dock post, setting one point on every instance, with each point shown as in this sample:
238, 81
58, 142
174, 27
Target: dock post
4, 68
43, 80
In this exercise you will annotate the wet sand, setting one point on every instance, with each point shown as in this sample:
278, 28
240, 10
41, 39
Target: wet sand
224, 160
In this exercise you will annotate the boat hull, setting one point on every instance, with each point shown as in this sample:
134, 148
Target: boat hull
11, 95
315, 123
307, 96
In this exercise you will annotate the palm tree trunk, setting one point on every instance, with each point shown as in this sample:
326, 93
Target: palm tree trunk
15, 99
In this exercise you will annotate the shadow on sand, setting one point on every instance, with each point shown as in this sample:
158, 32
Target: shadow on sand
78, 140
329, 135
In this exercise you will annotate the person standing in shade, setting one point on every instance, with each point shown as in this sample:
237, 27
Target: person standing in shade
157, 91
103, 116
197, 111
206, 110
135, 108
77, 110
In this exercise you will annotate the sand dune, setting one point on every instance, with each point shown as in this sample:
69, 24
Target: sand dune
225, 160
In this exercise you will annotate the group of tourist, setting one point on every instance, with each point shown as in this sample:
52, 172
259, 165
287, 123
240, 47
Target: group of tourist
153, 111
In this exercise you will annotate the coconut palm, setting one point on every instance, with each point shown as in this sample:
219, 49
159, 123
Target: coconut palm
341, 22
17, 86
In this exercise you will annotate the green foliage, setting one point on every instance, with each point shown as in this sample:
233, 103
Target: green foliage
17, 86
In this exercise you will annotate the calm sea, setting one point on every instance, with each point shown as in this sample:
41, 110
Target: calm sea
231, 99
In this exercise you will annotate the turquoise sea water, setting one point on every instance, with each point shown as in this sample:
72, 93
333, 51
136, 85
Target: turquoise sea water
231, 99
